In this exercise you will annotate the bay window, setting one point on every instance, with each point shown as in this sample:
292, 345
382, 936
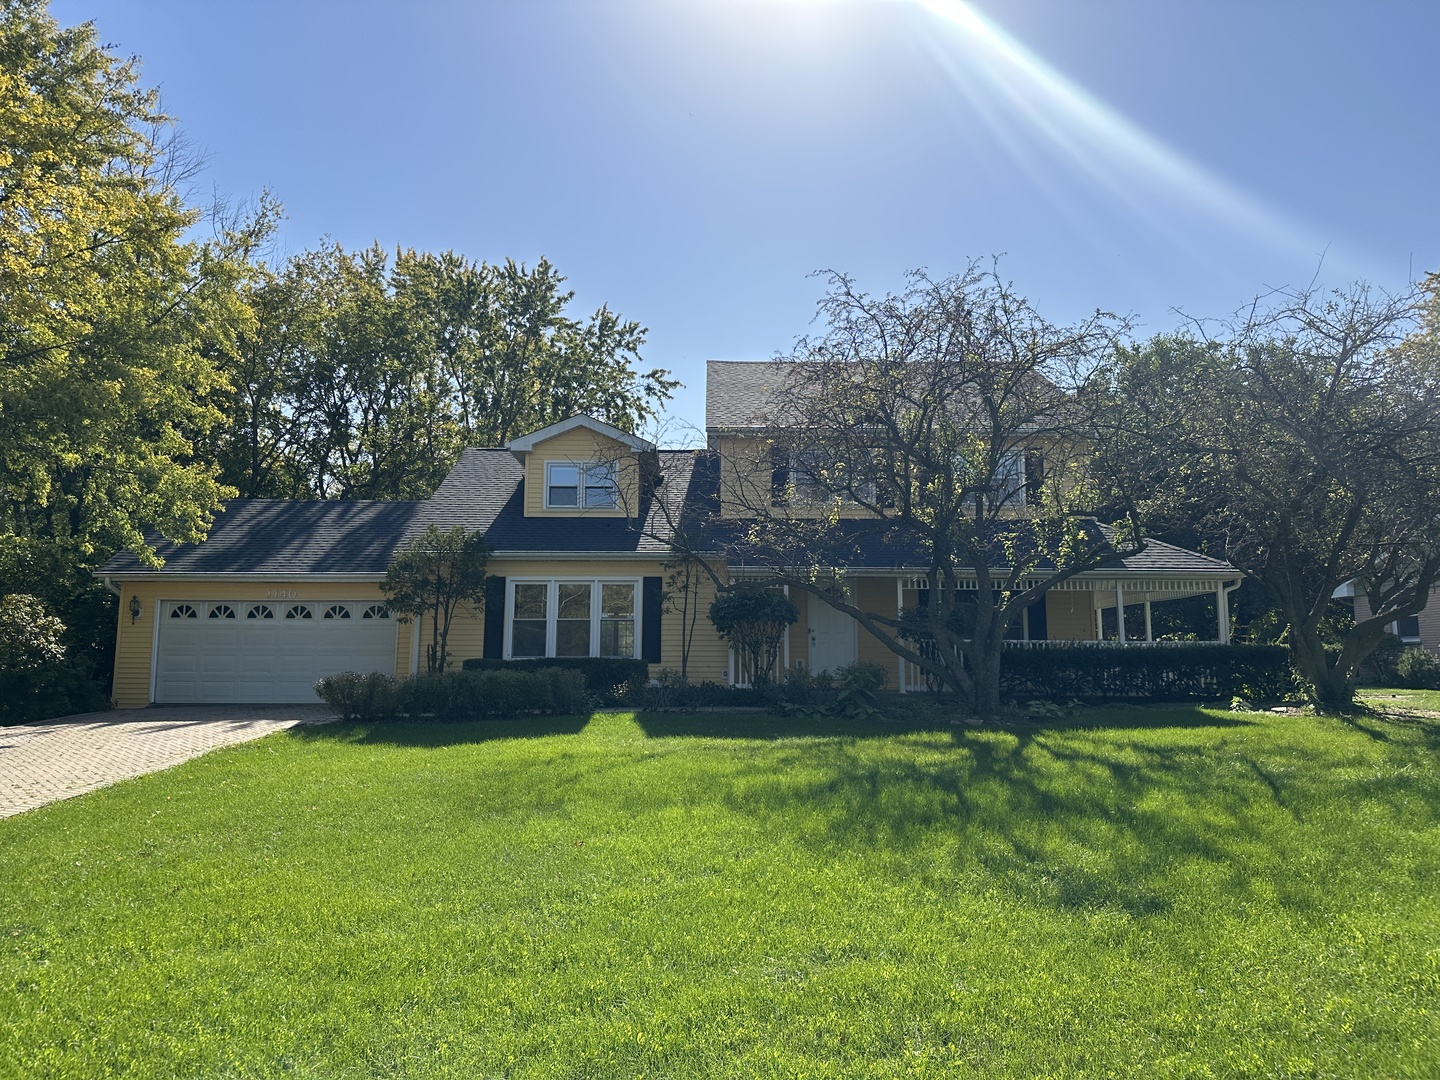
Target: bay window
573, 618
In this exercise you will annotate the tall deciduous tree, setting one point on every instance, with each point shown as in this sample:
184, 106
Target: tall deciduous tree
112, 320
935, 422
365, 376
1304, 444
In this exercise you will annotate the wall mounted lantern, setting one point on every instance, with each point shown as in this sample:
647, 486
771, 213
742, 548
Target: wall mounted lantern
134, 609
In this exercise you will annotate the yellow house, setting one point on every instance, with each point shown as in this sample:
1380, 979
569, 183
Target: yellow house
581, 518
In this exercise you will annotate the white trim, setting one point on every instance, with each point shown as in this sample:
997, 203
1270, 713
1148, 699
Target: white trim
582, 484
525, 443
552, 608
154, 643
137, 576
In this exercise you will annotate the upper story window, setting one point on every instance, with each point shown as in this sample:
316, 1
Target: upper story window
587, 486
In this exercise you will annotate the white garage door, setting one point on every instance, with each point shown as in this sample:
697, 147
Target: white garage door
240, 651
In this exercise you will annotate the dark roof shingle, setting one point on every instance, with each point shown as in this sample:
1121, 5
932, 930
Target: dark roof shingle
285, 536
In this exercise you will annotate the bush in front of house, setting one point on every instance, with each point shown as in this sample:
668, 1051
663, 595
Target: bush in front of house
610, 680
1418, 669
38, 681
1170, 673
455, 695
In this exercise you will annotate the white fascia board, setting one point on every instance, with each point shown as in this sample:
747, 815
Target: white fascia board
575, 556
257, 575
525, 443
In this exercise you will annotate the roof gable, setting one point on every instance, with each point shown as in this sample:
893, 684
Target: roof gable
526, 443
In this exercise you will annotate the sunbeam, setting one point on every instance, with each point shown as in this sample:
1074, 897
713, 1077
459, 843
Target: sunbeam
1032, 107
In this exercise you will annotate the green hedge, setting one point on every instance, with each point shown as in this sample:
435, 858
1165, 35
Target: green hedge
1166, 673
455, 695
609, 679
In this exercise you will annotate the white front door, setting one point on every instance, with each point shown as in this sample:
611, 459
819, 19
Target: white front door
832, 637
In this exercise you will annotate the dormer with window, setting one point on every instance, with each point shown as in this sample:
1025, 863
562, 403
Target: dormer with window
582, 467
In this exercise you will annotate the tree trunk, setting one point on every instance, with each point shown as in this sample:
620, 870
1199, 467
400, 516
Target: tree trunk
1330, 688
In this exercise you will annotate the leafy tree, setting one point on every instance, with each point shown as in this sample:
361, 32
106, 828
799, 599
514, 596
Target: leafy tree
755, 620
934, 422
365, 376
431, 575
36, 679
112, 319
1303, 443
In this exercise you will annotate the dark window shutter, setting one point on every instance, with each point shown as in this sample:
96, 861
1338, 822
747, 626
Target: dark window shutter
494, 617
922, 600
650, 619
779, 476
1034, 477
1038, 627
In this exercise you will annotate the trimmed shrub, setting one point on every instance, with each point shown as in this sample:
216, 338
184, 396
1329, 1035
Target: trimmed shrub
455, 695
353, 696
1418, 669
609, 679
1169, 673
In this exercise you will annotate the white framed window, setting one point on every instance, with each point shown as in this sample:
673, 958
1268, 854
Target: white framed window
580, 485
1010, 479
1406, 629
572, 617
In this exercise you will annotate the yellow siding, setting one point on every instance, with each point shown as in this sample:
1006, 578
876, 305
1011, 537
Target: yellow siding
579, 446
134, 641
876, 595
1069, 616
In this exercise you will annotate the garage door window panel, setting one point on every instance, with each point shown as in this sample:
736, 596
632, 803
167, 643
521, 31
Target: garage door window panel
299, 611
221, 611
183, 611
260, 611
337, 611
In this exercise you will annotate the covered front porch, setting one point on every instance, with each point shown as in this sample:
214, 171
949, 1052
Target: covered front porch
1090, 609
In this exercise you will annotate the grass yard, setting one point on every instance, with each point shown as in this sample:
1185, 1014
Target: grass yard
1143, 892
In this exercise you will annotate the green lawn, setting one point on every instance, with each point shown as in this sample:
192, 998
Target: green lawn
1146, 892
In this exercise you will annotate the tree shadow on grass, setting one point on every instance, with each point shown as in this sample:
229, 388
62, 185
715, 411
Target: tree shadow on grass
1124, 822
767, 726
772, 726
433, 734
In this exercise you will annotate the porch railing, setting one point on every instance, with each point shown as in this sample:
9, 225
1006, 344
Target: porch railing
912, 676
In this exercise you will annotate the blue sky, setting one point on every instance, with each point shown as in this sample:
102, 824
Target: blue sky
692, 162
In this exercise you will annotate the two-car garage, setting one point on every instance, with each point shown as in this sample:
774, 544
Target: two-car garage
227, 651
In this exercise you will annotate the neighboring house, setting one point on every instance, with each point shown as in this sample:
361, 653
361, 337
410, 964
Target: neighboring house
1422, 629
580, 517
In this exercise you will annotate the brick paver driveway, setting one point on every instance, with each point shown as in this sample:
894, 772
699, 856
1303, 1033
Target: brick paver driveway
43, 763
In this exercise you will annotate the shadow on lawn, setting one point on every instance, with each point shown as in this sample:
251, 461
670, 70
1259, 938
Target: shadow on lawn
765, 725
1120, 822
429, 733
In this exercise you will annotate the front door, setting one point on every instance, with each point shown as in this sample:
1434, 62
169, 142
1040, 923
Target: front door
832, 637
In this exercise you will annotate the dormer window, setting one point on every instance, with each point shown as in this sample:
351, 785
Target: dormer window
588, 486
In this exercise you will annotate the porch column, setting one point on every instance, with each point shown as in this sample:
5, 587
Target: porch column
1099, 620
1149, 635
1222, 613
1120, 611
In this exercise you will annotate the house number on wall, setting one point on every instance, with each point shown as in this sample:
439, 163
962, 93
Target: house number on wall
280, 594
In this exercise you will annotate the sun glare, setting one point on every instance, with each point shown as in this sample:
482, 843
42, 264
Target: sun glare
1026, 102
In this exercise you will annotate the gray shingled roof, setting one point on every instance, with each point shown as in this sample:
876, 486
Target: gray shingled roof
486, 490
740, 393
285, 536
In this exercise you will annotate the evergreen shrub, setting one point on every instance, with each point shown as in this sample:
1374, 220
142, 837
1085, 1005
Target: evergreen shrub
455, 695
610, 680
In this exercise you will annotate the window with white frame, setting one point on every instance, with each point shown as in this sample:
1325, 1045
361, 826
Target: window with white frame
574, 485
1406, 629
573, 618
1010, 479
